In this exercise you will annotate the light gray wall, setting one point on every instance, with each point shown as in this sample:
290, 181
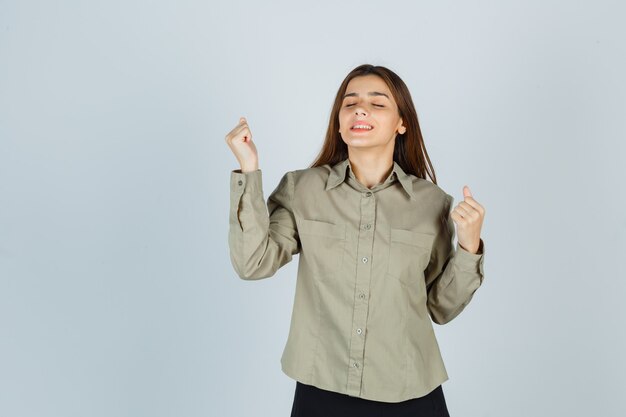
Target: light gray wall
117, 296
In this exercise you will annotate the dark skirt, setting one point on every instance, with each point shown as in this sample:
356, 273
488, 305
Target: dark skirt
311, 401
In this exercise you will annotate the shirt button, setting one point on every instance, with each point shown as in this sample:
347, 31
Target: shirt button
368, 194
361, 296
239, 182
356, 365
358, 331
367, 226
364, 260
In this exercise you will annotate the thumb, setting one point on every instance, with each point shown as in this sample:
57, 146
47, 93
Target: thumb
466, 192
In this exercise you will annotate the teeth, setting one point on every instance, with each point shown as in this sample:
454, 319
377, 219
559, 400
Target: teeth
362, 127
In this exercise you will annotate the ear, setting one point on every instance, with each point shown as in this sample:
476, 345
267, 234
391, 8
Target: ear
401, 129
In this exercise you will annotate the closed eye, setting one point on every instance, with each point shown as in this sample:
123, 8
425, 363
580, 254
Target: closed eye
377, 105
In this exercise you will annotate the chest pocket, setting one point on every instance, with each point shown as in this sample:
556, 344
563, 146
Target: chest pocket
322, 246
409, 254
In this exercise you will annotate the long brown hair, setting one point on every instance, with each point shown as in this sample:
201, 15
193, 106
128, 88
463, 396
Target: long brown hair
409, 150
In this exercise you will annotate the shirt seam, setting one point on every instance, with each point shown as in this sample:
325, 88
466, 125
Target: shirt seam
312, 373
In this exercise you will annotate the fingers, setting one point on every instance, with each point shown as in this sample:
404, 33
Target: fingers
241, 130
466, 211
469, 201
233, 133
461, 217
242, 123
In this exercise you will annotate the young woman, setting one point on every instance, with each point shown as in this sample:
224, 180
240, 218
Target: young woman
377, 263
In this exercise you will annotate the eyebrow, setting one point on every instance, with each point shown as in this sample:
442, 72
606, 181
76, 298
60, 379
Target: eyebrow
371, 93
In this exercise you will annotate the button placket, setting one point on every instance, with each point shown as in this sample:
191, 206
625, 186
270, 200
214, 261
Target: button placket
363, 276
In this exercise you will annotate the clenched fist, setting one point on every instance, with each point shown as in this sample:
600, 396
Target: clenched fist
468, 216
240, 142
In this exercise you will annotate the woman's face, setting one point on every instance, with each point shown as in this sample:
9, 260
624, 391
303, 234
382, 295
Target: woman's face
368, 101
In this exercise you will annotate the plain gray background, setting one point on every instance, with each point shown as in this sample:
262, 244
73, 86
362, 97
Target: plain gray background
117, 296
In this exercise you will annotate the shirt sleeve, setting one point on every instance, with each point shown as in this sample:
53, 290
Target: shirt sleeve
262, 237
452, 276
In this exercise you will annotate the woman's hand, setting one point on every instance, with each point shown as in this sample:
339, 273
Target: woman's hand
240, 142
468, 216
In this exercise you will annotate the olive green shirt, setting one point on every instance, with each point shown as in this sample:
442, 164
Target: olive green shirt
375, 266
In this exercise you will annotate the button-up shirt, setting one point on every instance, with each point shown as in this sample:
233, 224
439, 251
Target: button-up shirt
375, 266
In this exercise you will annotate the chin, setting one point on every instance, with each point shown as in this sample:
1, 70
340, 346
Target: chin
364, 145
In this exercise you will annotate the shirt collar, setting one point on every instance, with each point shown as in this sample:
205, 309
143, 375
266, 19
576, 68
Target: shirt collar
338, 173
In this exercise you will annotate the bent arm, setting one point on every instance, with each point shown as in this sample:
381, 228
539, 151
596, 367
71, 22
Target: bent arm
452, 276
262, 237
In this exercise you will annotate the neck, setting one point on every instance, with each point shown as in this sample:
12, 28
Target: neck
370, 170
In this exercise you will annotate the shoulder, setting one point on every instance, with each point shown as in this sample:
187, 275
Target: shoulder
305, 177
430, 193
